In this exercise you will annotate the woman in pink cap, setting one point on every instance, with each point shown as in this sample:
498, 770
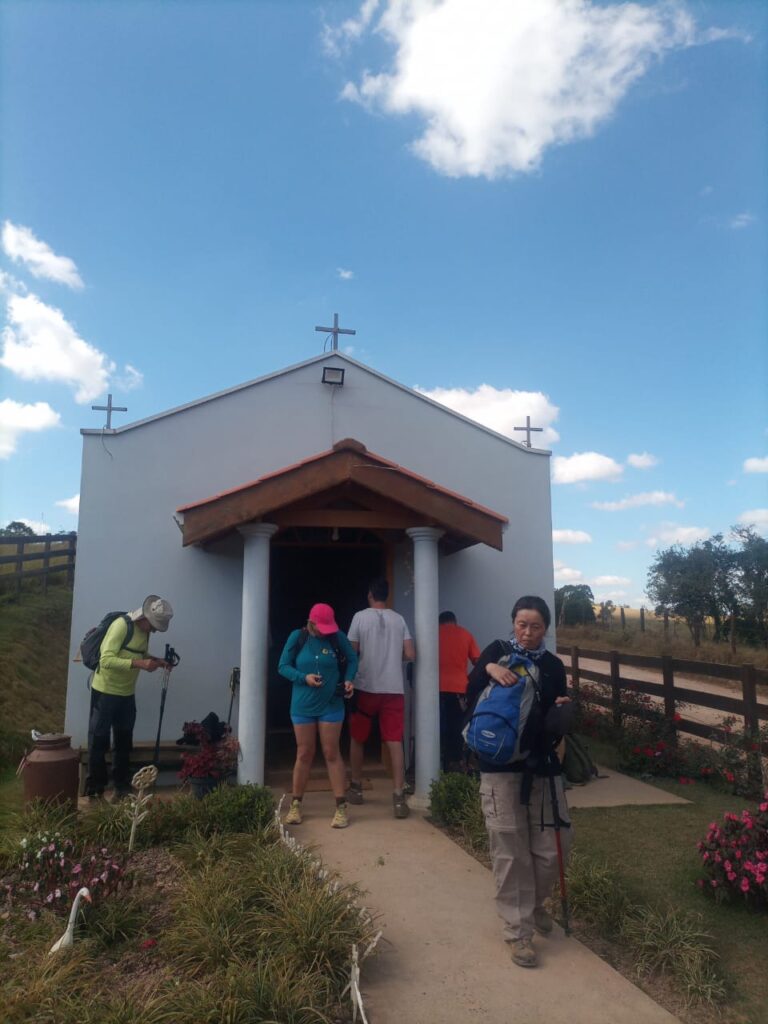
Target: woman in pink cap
321, 664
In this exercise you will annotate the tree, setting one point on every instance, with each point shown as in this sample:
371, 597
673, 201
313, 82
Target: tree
751, 582
17, 529
574, 605
682, 582
607, 608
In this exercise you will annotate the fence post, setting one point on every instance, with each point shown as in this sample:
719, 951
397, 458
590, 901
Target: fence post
642, 620
623, 619
575, 677
615, 689
751, 725
46, 563
19, 567
72, 552
668, 682
666, 623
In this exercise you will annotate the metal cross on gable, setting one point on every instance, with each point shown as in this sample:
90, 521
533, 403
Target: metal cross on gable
335, 331
109, 409
528, 431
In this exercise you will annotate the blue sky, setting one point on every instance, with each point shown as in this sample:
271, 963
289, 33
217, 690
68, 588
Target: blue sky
554, 208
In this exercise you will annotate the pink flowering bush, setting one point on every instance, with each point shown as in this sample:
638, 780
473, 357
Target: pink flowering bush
52, 869
735, 857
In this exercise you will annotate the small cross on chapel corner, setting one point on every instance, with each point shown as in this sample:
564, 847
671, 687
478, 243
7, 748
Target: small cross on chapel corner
528, 431
335, 331
109, 409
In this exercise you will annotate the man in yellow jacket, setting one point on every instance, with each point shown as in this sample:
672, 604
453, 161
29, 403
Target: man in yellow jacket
122, 655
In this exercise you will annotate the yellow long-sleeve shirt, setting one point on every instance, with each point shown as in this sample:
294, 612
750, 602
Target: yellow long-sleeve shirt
115, 675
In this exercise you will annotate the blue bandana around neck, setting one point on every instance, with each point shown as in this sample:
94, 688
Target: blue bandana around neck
523, 652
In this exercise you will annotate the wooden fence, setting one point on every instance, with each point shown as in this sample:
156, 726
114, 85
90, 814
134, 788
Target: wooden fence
746, 706
26, 557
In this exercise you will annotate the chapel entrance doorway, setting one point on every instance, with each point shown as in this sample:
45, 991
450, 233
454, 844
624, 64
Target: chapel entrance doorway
301, 574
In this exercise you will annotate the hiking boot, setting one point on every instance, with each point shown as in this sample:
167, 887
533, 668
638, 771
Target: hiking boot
542, 922
293, 817
400, 807
355, 793
339, 819
522, 952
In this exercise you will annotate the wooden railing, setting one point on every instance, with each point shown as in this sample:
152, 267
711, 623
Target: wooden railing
26, 557
746, 706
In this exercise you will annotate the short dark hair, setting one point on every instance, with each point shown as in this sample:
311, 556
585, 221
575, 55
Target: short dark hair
531, 603
379, 589
446, 617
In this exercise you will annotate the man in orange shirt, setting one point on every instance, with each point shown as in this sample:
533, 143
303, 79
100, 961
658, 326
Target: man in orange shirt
457, 648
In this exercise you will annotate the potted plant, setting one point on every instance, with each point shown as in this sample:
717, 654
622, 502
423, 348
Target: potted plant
213, 762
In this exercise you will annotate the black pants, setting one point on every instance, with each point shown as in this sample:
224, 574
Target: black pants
451, 718
115, 715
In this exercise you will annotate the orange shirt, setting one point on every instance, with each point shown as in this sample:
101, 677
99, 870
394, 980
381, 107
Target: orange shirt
457, 647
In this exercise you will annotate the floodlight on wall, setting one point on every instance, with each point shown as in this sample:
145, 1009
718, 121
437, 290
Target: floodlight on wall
333, 375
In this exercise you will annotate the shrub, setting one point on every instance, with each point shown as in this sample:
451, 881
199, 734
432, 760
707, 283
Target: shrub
735, 857
235, 809
215, 758
455, 804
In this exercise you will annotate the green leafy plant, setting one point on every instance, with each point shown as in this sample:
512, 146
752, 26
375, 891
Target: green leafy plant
735, 857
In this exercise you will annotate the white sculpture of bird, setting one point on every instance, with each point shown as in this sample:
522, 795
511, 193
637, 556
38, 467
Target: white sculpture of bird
68, 938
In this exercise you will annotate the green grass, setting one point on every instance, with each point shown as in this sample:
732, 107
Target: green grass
652, 851
34, 657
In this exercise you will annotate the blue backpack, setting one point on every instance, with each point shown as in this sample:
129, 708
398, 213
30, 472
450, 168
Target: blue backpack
497, 732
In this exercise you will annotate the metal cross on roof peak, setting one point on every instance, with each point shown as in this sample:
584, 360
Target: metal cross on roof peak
109, 409
335, 331
528, 431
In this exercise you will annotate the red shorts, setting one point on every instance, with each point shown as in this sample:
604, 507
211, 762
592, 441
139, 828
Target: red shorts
390, 707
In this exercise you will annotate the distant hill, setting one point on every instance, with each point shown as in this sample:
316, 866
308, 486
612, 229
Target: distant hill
34, 655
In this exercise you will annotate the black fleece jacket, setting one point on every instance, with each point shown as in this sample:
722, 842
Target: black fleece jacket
552, 684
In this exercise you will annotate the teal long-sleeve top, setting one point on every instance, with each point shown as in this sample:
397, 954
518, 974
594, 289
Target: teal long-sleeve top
315, 657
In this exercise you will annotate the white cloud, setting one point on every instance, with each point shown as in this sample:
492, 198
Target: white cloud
502, 409
498, 83
21, 245
669, 533
610, 595
741, 220
707, 190
757, 517
627, 545
643, 461
336, 40
756, 465
583, 466
38, 525
70, 504
571, 537
611, 581
636, 500
40, 344
345, 275
17, 418
564, 574
129, 379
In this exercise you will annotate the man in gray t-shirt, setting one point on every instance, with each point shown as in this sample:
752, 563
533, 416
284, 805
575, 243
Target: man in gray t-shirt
383, 641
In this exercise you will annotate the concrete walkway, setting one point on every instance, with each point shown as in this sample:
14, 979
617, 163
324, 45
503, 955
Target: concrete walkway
442, 959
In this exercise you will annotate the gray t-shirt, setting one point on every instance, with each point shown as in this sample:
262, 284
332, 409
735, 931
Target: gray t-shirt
380, 633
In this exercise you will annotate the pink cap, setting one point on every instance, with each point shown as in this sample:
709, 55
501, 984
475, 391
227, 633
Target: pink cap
321, 615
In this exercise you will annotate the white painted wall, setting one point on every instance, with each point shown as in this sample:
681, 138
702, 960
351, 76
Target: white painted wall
134, 479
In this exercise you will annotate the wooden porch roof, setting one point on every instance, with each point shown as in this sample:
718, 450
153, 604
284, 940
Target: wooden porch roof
347, 486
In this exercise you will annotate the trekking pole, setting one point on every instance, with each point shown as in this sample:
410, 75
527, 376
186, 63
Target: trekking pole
234, 682
171, 660
558, 821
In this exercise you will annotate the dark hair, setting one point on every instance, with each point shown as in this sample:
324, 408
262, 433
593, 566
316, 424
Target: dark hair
446, 617
379, 589
532, 604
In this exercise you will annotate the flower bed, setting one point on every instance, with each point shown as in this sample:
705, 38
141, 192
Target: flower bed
735, 857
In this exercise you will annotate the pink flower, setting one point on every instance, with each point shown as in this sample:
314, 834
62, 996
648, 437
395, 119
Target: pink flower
731, 876
714, 883
77, 869
745, 885
148, 943
764, 807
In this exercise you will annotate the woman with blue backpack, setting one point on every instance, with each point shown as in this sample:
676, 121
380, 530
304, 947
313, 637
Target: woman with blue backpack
519, 711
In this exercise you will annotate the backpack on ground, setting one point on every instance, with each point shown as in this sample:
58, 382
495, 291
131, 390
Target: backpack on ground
506, 719
90, 648
578, 766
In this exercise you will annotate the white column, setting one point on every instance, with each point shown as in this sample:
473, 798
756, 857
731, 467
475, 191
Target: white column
252, 713
427, 675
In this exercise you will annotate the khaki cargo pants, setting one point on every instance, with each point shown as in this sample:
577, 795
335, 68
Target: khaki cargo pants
523, 856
